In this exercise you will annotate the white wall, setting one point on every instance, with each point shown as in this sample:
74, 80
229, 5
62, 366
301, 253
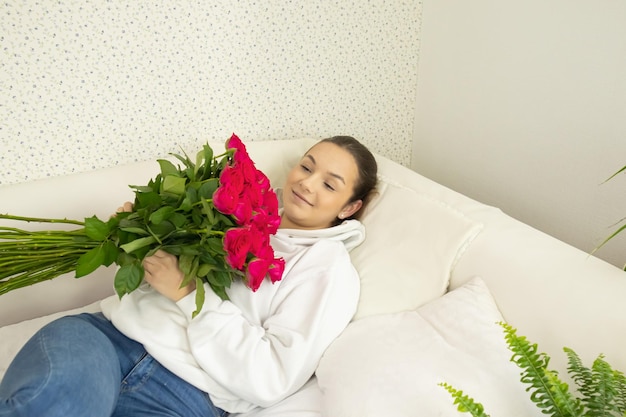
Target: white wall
91, 84
522, 105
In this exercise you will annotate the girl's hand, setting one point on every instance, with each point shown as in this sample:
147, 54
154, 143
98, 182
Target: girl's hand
164, 275
127, 206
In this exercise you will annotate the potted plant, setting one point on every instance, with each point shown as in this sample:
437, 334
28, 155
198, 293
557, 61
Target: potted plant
601, 389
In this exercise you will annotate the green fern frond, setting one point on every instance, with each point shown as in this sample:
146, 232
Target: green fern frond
581, 375
620, 386
464, 403
605, 389
533, 366
563, 398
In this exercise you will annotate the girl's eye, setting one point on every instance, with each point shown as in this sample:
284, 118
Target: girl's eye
330, 187
305, 168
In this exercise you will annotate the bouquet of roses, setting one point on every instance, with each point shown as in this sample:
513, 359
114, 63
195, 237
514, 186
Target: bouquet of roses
216, 214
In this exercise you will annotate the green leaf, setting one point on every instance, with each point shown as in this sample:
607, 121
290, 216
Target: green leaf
188, 163
215, 245
136, 230
199, 297
161, 214
138, 243
617, 232
148, 199
96, 229
124, 258
207, 189
207, 210
223, 278
110, 253
220, 292
186, 205
142, 188
193, 273
192, 192
618, 172
90, 261
128, 278
205, 157
174, 185
185, 263
168, 168
199, 162
178, 220
114, 221
464, 403
204, 269
163, 229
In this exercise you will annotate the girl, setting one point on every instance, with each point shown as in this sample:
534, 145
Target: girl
145, 356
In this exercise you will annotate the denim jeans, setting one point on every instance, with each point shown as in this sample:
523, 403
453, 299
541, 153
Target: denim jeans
81, 366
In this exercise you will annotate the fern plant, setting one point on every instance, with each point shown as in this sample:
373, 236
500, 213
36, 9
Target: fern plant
601, 389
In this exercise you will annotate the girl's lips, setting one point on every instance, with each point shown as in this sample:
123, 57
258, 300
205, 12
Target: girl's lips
299, 197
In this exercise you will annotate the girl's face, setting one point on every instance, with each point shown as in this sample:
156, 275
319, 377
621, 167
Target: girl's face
318, 189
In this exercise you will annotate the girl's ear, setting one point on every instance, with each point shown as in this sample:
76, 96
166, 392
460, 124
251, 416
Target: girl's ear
350, 209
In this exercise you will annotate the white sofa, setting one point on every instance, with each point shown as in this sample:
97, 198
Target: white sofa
438, 271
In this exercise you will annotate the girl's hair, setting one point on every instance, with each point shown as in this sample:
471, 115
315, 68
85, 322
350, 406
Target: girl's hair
365, 188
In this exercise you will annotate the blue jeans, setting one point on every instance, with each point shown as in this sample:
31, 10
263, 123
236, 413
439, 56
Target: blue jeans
83, 366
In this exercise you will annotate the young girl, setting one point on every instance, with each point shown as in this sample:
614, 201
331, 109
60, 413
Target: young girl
145, 355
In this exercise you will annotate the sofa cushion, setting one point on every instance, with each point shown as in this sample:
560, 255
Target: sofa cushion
392, 364
412, 246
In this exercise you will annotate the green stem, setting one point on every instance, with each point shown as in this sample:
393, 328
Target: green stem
154, 235
8, 257
24, 252
17, 234
40, 220
33, 277
36, 245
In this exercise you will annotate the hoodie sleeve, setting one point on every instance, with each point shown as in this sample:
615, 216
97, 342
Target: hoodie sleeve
265, 363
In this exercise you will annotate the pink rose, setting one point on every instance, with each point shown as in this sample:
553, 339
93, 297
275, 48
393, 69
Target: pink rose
243, 211
225, 199
232, 177
256, 272
262, 266
276, 269
237, 242
262, 180
259, 241
270, 204
264, 251
241, 154
259, 219
253, 195
247, 169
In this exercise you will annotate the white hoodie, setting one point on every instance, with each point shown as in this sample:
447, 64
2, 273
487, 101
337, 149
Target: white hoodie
259, 347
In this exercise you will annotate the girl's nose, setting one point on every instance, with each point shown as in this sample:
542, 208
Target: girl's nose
306, 184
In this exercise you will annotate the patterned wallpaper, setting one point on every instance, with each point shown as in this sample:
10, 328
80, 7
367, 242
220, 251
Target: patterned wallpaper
87, 84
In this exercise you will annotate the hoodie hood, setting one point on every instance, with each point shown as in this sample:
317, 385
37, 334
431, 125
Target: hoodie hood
350, 232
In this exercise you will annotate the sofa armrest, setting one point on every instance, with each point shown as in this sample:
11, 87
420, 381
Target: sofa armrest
555, 294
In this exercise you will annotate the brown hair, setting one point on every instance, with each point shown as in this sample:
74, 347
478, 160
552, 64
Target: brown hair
365, 188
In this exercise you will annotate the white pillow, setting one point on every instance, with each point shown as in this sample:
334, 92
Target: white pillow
413, 242
391, 365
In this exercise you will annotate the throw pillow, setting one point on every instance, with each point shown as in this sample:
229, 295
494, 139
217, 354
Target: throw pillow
392, 364
413, 242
